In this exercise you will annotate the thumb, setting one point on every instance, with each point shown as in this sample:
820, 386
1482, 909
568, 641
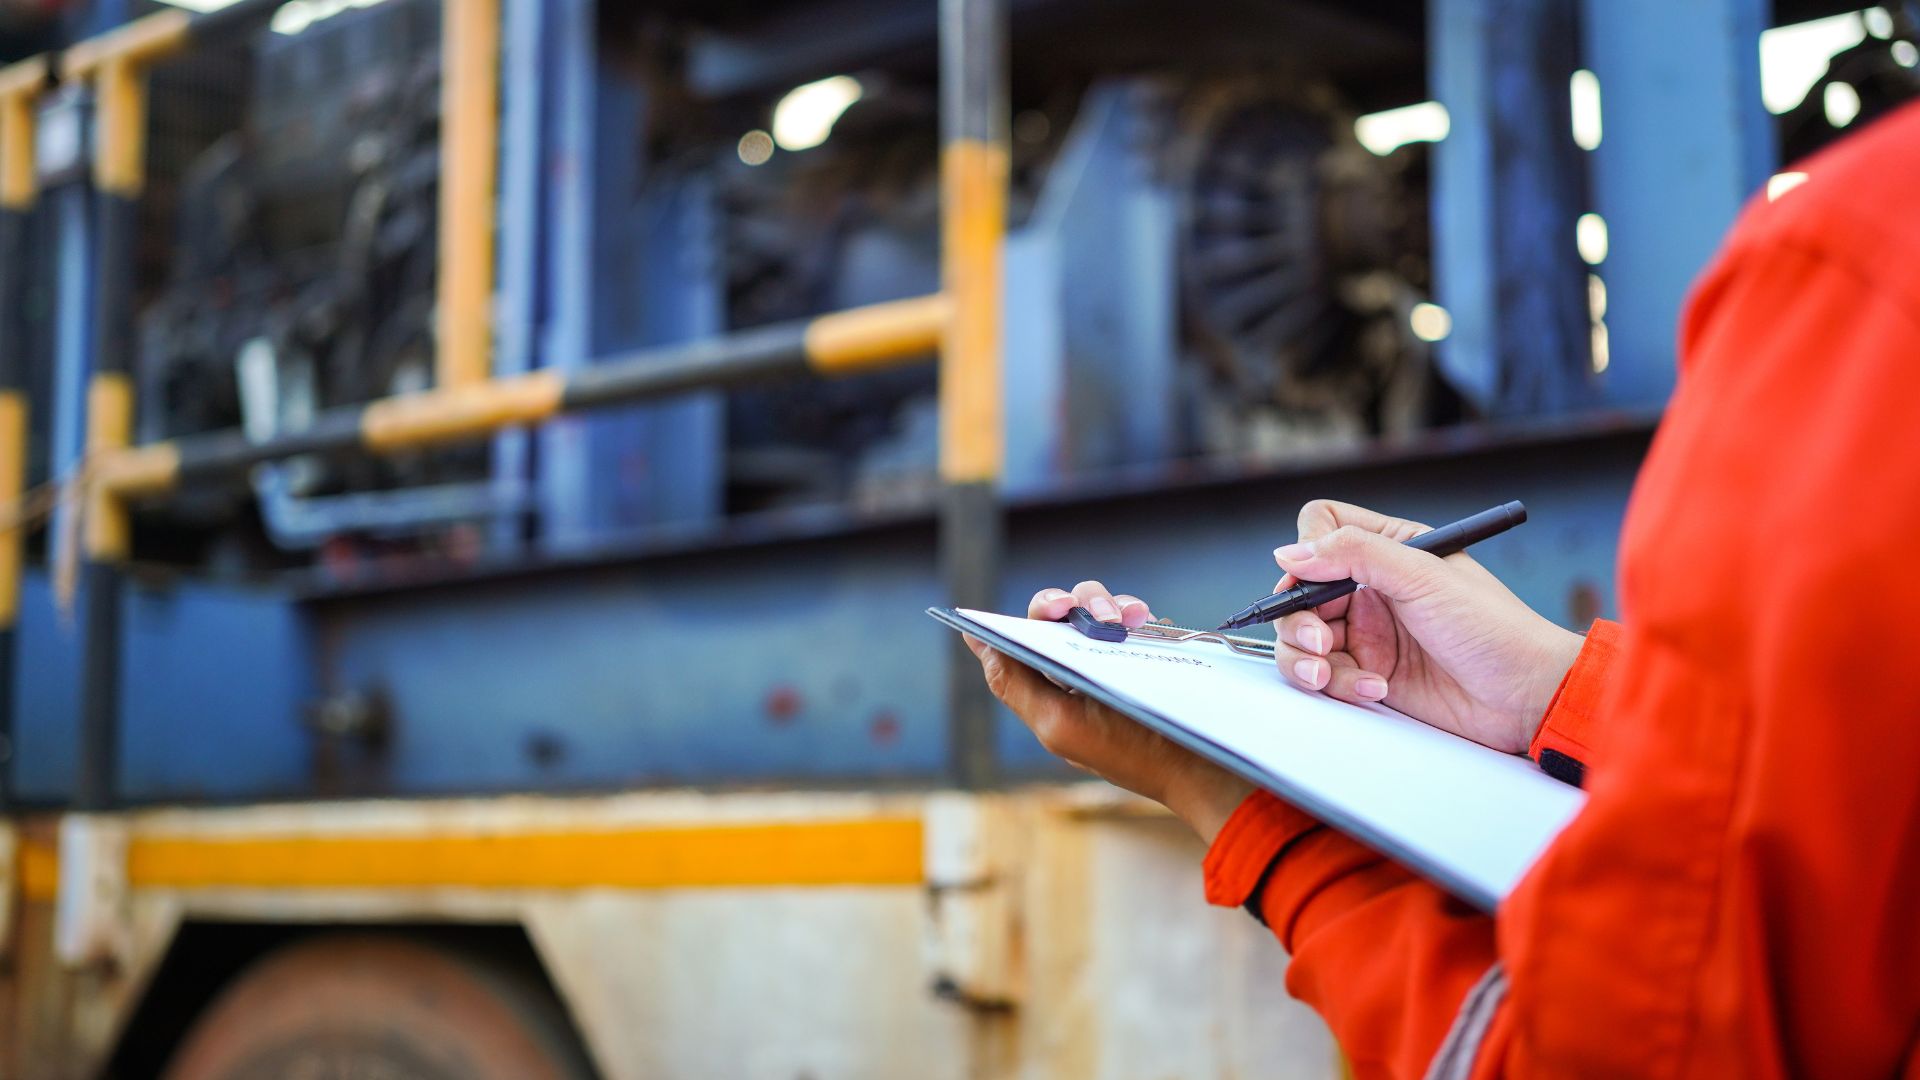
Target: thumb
1396, 570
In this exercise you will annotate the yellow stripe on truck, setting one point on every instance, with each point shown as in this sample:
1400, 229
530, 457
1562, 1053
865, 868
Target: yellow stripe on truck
870, 851
39, 869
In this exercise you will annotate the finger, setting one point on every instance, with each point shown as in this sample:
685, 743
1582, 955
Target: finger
1322, 516
1095, 598
974, 644
1133, 610
1376, 561
1050, 604
1357, 685
1048, 712
1301, 668
1307, 630
1018, 686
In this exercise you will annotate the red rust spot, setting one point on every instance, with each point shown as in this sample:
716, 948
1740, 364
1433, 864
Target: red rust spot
783, 704
885, 729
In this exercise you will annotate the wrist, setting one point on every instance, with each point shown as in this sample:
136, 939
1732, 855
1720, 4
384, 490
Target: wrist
1205, 797
1559, 651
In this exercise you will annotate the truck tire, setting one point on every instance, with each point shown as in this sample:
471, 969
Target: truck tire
381, 1007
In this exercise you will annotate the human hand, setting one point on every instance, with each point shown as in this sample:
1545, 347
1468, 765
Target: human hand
1090, 736
1441, 640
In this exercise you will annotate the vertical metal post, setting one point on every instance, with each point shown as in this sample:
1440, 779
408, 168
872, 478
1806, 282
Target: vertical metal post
1687, 141
119, 175
523, 139
20, 87
1507, 192
469, 152
973, 166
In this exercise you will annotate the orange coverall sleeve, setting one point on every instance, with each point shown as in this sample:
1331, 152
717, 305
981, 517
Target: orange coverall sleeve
1353, 920
1737, 897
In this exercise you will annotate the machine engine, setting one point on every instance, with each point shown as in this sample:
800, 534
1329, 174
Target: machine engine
303, 271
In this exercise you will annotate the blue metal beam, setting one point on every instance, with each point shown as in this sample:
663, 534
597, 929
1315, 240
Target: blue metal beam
1507, 190
1092, 345
1686, 142
520, 260
671, 668
632, 265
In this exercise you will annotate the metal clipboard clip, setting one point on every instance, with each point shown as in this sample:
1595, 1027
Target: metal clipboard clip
1082, 620
1245, 646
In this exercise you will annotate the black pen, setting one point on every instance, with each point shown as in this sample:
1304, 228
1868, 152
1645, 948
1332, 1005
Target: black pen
1442, 541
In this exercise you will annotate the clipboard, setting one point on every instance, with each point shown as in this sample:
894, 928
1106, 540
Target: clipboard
1468, 818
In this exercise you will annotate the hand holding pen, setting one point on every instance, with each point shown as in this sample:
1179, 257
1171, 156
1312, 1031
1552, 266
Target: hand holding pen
1438, 638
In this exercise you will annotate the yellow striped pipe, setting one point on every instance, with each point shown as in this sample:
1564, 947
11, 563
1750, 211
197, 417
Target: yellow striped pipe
107, 534
974, 178
843, 343
117, 63
13, 477
876, 336
461, 412
20, 86
469, 148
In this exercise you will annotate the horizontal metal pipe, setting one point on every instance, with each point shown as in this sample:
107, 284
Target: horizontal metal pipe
138, 43
862, 339
163, 34
762, 352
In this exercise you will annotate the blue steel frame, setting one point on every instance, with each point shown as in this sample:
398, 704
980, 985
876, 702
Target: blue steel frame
1092, 352
617, 652
47, 657
624, 273
1686, 142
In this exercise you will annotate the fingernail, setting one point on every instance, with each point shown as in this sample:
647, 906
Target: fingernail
1309, 672
1313, 638
1370, 688
1050, 595
1294, 553
1103, 609
1138, 607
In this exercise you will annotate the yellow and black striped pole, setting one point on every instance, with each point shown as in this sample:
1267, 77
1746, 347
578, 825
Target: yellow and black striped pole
116, 64
973, 170
469, 152
20, 87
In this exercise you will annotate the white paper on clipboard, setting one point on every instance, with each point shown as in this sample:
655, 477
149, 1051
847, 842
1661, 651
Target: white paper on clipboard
1470, 818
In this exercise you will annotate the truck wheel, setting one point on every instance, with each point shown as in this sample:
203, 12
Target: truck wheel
353, 1006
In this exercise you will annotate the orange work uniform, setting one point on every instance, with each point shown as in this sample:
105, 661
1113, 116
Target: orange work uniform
1741, 895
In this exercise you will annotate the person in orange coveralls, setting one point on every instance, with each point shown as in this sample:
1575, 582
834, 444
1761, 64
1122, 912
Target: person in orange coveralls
1741, 895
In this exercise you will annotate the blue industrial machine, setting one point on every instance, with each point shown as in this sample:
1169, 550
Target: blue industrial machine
1207, 290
